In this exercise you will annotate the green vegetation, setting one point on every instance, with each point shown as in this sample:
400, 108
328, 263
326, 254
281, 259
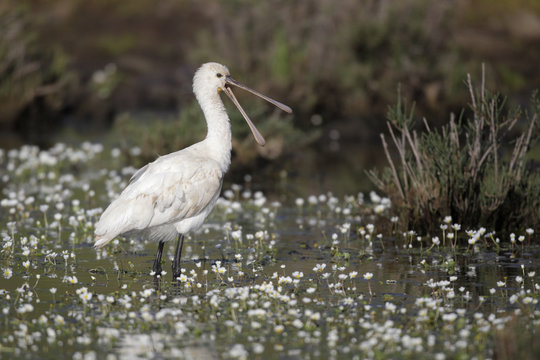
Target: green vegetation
465, 169
33, 79
339, 61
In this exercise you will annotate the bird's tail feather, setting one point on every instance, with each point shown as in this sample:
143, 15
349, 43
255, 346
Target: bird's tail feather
101, 241
123, 215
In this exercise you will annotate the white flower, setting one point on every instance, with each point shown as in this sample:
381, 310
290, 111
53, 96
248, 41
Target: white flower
374, 197
8, 273
85, 296
59, 320
258, 348
147, 292
390, 306
368, 276
238, 352
348, 301
284, 280
278, 329
449, 317
319, 267
237, 235
370, 228
25, 308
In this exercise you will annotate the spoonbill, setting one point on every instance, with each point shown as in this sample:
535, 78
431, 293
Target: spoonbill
173, 195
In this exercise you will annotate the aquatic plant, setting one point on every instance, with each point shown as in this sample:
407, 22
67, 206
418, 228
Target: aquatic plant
321, 277
465, 169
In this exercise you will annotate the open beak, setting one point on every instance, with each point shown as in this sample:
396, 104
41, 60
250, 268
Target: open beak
227, 89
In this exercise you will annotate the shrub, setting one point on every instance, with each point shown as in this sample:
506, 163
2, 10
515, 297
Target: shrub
464, 169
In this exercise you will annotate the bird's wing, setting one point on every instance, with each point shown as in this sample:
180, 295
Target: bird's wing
138, 174
163, 192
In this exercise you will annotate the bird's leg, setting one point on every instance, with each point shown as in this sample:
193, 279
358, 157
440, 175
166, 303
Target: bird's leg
177, 254
157, 261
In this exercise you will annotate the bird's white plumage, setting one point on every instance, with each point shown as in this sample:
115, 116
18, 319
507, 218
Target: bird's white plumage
175, 193
177, 190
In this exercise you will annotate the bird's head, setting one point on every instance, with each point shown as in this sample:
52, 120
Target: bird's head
216, 77
211, 76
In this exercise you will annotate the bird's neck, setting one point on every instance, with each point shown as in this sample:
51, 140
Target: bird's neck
218, 139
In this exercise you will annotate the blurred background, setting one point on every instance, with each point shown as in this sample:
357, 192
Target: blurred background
120, 72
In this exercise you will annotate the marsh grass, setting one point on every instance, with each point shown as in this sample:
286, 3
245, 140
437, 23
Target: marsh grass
475, 169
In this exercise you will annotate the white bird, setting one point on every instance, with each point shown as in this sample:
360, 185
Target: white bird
174, 194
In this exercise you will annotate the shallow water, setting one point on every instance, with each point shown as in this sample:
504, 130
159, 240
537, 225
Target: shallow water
306, 279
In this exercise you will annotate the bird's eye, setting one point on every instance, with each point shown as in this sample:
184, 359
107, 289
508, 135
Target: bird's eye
219, 75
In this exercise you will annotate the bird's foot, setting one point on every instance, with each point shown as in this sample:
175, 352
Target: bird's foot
176, 272
157, 270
